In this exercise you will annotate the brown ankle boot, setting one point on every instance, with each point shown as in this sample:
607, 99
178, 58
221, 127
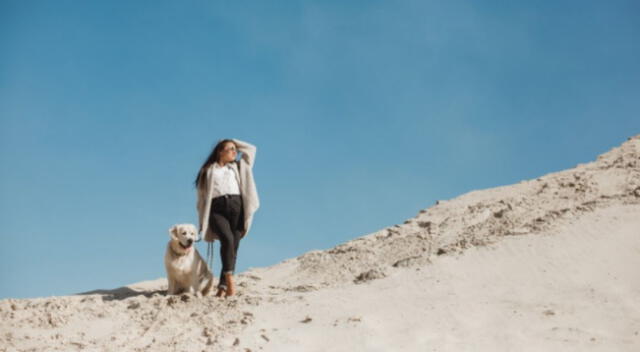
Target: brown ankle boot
231, 289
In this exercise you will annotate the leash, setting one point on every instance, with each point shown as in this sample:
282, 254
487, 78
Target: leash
209, 252
210, 255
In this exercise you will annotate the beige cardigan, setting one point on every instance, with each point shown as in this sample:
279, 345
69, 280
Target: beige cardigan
244, 176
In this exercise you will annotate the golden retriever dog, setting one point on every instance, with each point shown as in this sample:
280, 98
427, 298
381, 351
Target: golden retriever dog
186, 270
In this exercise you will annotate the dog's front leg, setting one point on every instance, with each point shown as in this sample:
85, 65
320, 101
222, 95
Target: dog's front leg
172, 287
191, 290
195, 289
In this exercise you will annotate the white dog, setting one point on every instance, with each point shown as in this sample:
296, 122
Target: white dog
186, 271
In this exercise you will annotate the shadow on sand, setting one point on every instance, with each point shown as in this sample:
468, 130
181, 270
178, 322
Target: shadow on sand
122, 293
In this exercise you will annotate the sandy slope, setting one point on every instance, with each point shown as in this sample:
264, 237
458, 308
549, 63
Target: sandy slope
573, 289
543, 265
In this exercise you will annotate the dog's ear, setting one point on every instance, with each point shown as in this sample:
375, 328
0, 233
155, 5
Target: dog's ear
173, 232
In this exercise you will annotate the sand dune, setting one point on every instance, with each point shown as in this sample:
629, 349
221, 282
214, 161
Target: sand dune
551, 264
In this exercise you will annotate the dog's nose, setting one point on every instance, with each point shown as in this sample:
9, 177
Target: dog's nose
189, 242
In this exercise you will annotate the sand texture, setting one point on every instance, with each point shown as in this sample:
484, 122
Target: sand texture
550, 264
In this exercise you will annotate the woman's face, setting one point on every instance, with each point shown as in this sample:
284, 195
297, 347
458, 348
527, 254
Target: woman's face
228, 153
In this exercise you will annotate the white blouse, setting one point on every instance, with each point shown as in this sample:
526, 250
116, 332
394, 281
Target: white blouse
224, 180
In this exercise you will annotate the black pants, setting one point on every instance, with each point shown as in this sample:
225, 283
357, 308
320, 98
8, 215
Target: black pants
227, 221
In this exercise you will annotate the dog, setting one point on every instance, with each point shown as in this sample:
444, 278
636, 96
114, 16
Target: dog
186, 270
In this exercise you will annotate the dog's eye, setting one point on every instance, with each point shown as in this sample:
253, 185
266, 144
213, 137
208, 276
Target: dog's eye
184, 233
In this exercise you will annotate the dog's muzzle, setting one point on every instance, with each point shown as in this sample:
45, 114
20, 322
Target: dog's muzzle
189, 243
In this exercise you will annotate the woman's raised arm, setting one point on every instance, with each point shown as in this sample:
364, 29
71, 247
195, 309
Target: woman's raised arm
248, 151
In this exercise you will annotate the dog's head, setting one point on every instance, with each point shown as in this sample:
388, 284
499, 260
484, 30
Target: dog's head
184, 235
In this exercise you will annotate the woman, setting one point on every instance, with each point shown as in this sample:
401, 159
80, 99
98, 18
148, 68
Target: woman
227, 199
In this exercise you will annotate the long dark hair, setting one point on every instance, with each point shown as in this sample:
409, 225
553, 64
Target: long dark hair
213, 157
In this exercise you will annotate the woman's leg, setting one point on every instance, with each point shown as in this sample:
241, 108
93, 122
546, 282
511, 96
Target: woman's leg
220, 225
227, 241
235, 219
226, 215
237, 224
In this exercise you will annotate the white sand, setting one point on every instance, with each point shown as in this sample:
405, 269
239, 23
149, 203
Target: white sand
551, 264
575, 289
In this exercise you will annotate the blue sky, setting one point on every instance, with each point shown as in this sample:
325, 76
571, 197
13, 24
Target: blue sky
363, 112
